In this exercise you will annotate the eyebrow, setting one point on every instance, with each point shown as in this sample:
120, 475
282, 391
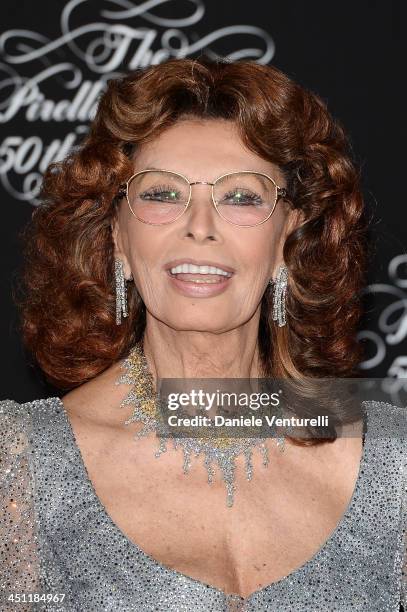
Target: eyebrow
162, 170
174, 172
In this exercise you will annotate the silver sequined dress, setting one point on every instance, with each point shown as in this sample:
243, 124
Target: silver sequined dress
56, 537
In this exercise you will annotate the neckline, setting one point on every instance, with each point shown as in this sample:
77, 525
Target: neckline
329, 542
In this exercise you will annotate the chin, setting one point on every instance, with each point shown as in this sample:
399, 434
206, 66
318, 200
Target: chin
184, 321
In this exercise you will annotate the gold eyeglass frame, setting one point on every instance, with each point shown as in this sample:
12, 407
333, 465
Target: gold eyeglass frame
281, 192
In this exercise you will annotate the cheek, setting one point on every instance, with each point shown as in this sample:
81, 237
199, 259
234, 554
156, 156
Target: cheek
143, 246
257, 250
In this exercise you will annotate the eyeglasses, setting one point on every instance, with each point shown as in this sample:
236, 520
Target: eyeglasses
159, 197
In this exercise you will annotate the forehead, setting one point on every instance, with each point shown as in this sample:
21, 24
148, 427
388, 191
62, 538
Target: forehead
201, 150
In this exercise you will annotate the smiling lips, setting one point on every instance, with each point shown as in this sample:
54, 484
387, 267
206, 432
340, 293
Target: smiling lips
194, 279
191, 270
188, 272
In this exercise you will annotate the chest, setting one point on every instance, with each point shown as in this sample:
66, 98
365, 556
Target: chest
279, 519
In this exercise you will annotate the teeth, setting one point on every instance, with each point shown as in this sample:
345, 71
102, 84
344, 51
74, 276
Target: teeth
203, 280
193, 269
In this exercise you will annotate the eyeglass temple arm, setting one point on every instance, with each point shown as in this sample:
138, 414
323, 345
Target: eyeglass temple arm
281, 192
122, 190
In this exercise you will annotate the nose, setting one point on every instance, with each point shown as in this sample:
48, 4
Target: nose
201, 218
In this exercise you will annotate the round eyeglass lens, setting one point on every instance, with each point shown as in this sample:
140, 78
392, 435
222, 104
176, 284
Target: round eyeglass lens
158, 197
245, 198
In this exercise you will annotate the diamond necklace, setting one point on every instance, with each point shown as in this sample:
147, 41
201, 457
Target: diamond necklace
220, 451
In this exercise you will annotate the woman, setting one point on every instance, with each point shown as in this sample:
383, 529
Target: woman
151, 258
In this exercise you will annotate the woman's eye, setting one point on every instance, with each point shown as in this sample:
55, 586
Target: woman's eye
161, 195
243, 198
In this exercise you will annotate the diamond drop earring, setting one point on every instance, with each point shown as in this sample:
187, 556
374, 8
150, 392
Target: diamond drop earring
279, 295
121, 291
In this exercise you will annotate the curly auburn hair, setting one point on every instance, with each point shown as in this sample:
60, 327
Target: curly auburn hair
68, 299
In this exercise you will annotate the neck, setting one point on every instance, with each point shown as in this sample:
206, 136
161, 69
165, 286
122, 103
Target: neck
195, 354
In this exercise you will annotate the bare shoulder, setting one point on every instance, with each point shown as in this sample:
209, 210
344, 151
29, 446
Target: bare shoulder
97, 401
98, 423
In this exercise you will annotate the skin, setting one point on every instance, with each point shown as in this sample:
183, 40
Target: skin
284, 515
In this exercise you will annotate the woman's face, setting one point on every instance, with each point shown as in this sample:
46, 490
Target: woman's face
201, 150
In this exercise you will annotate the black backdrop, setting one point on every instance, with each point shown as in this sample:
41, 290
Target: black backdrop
348, 52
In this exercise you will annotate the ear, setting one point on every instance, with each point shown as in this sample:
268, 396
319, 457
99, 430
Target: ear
119, 246
294, 219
